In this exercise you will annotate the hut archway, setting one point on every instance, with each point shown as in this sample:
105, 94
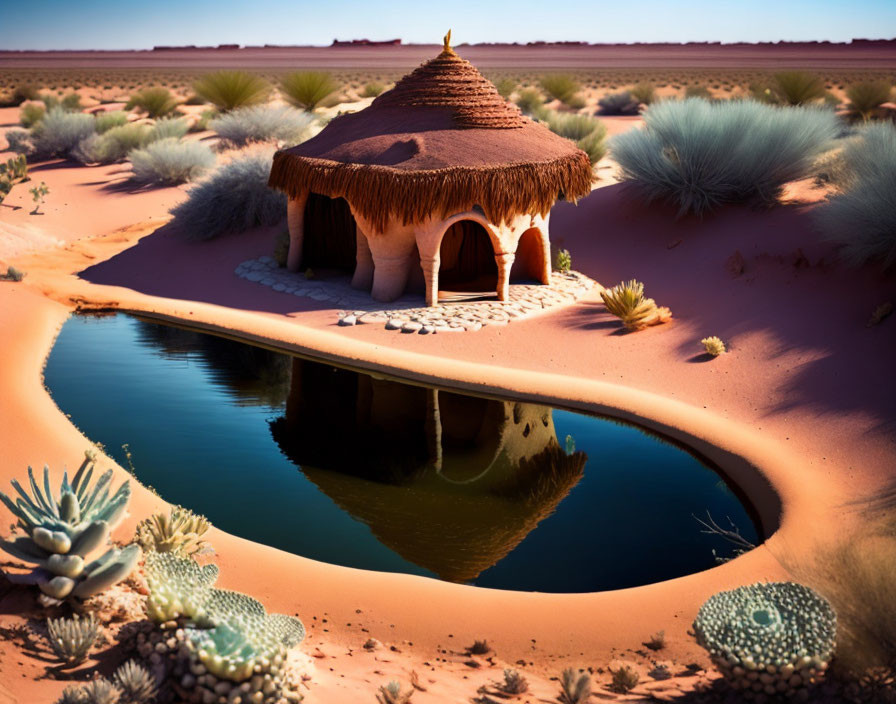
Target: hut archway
530, 263
330, 234
467, 258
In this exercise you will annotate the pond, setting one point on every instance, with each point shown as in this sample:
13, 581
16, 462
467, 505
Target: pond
368, 472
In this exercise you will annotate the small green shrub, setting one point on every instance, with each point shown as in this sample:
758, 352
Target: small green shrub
618, 104
170, 162
228, 90
19, 141
372, 90
25, 91
233, 199
505, 87
156, 102
39, 194
625, 679
114, 145
699, 155
644, 93
307, 89
60, 132
530, 102
71, 102
594, 145
560, 86
169, 128
627, 302
72, 638
862, 219
514, 683
31, 113
105, 121
866, 98
697, 92
563, 261
574, 127
797, 87
280, 124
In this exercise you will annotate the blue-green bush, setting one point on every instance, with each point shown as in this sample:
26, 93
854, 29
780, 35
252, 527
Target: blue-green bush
170, 162
263, 123
862, 218
234, 198
60, 132
699, 155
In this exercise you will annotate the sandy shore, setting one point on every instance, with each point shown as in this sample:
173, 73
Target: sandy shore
796, 414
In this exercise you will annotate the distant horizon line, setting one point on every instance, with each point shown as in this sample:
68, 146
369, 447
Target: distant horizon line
358, 43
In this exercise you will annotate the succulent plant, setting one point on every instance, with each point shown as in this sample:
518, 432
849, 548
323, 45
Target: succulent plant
772, 638
62, 531
563, 261
627, 302
392, 693
72, 638
136, 684
575, 687
231, 633
73, 695
180, 532
101, 691
713, 346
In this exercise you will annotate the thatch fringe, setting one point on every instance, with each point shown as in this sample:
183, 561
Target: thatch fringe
383, 193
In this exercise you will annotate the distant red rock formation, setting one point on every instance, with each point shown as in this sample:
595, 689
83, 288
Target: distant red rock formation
365, 42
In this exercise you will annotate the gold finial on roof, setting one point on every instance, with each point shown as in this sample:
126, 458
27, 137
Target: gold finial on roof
447, 46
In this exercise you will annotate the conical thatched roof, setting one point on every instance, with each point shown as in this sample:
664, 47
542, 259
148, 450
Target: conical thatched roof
441, 141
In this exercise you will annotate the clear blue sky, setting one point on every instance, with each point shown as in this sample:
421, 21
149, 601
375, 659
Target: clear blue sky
118, 24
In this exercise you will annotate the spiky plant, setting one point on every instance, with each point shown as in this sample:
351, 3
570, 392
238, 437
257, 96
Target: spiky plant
627, 302
372, 89
644, 93
281, 124
594, 145
798, 87
100, 691
563, 261
574, 127
514, 682
156, 102
73, 695
136, 684
530, 102
307, 89
625, 679
72, 638
480, 647
657, 641
575, 687
105, 121
228, 90
180, 532
866, 98
392, 693
713, 346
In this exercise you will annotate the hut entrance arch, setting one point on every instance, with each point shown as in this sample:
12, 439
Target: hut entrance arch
467, 259
330, 234
531, 263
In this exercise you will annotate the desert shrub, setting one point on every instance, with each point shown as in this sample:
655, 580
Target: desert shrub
514, 682
480, 647
530, 102
866, 98
372, 89
169, 128
234, 198
763, 92
202, 123
156, 102
12, 274
31, 113
594, 145
170, 161
625, 679
559, 86
392, 693
618, 104
699, 155
657, 641
573, 127
60, 132
576, 102
797, 87
105, 121
307, 89
19, 141
562, 261
862, 219
25, 91
228, 90
114, 145
713, 346
262, 123
575, 687
505, 87
627, 302
644, 93
71, 101
697, 92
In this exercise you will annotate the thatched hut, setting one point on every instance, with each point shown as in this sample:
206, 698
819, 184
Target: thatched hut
440, 170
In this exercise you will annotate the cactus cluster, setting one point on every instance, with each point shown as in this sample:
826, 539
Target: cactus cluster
72, 638
131, 684
12, 171
230, 633
768, 639
63, 530
180, 532
627, 302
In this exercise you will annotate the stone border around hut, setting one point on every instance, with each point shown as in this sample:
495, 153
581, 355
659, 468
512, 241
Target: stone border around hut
407, 314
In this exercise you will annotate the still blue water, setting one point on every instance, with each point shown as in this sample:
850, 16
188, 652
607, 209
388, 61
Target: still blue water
354, 470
